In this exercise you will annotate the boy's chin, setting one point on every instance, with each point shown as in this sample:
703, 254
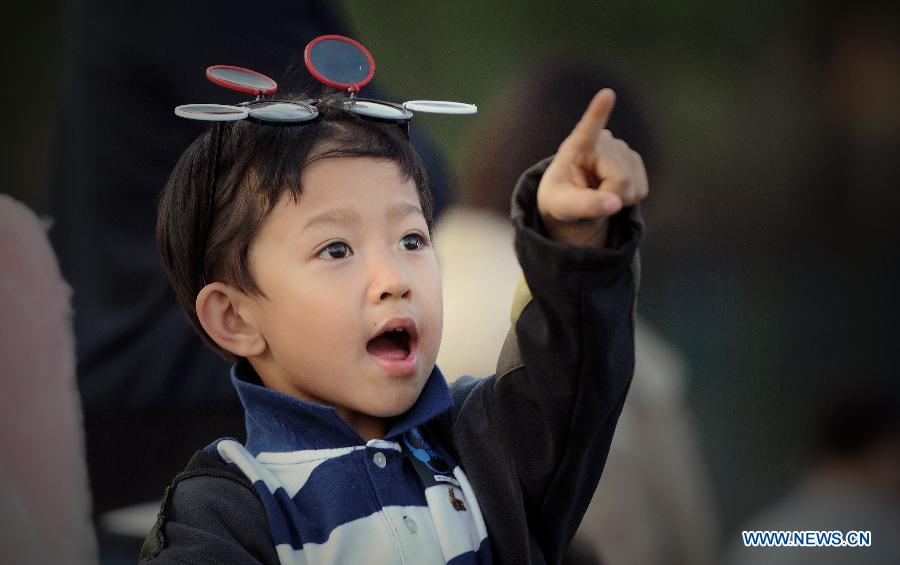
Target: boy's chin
397, 406
393, 408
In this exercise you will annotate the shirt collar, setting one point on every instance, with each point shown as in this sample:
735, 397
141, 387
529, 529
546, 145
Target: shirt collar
278, 422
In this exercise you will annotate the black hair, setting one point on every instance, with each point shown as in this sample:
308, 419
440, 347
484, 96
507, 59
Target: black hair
205, 236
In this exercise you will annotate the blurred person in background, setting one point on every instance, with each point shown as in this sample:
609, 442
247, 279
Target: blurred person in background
44, 499
653, 504
852, 484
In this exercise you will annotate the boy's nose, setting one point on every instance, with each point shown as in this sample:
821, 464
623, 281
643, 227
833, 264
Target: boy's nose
389, 280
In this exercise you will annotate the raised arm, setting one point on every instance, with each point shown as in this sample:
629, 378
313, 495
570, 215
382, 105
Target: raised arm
535, 437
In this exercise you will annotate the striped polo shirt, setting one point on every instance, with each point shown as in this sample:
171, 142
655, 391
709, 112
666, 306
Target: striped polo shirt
331, 497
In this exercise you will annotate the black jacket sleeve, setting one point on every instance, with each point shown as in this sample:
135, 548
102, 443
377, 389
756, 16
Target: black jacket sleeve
534, 438
210, 515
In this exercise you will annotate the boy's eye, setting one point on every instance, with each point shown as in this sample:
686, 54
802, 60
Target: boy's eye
335, 250
412, 242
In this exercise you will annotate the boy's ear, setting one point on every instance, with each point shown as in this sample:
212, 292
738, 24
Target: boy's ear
228, 317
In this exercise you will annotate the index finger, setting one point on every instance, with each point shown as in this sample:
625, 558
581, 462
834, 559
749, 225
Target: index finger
594, 119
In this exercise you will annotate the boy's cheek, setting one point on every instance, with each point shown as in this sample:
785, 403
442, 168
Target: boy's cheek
432, 343
431, 305
436, 317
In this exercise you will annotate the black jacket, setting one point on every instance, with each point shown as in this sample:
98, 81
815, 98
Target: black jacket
533, 439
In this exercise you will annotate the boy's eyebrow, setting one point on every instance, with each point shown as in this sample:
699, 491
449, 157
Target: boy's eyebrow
350, 216
333, 216
402, 210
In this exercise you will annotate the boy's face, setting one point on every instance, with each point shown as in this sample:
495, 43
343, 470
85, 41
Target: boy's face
351, 259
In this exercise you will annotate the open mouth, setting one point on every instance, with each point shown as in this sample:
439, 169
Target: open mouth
394, 344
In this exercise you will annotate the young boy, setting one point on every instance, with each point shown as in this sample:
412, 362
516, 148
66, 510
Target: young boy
312, 267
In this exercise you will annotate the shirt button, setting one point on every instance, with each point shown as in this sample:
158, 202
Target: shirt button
411, 525
380, 459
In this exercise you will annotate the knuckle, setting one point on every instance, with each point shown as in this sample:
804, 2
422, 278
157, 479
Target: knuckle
639, 160
640, 192
618, 183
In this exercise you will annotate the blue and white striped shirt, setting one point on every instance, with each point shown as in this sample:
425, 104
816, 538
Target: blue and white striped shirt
332, 498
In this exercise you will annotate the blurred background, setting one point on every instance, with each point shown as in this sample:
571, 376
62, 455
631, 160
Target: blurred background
770, 258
